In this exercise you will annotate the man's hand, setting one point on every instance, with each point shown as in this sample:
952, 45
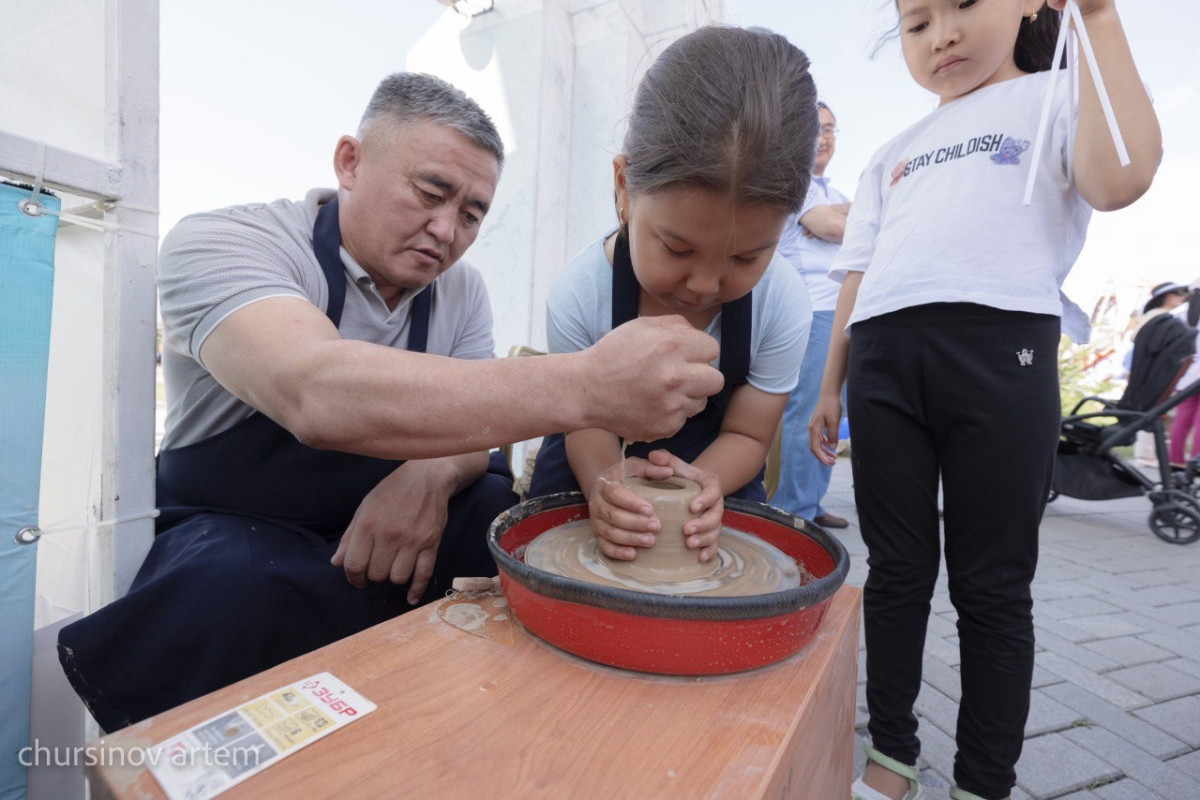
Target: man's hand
644, 379
398, 526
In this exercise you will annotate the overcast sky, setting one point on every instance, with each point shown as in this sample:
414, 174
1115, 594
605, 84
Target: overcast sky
254, 95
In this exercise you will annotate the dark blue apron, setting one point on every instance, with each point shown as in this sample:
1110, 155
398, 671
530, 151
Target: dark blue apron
238, 578
258, 469
552, 473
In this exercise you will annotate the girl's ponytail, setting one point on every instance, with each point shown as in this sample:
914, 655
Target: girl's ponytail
1034, 50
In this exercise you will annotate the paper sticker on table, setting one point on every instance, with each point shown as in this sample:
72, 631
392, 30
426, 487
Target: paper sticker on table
220, 752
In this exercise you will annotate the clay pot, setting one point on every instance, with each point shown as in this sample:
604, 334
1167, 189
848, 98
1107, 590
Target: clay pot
669, 560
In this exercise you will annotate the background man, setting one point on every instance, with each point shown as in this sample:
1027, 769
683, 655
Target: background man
309, 348
810, 242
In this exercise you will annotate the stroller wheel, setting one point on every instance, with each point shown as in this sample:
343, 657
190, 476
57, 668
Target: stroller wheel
1174, 523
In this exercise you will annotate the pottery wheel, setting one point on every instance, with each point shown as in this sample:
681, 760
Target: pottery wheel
744, 565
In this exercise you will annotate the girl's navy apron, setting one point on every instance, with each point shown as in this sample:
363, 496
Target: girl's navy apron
552, 473
238, 578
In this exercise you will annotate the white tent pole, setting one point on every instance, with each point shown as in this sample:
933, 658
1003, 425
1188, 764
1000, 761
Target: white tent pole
127, 439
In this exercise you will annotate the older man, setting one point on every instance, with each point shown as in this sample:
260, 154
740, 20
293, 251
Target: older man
810, 242
309, 347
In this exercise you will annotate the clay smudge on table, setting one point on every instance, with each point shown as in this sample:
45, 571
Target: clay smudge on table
466, 616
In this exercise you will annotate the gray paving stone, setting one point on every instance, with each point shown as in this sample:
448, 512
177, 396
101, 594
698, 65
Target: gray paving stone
1105, 626
937, 709
1142, 619
1057, 571
1183, 642
1159, 682
943, 649
1154, 577
1047, 715
1100, 685
1081, 607
1128, 651
1061, 591
1162, 595
1044, 677
940, 604
1061, 628
1127, 789
1113, 583
1180, 718
1188, 764
943, 677
1053, 765
1179, 616
1134, 762
942, 625
1122, 723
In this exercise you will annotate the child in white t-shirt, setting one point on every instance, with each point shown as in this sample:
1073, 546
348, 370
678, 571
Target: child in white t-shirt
719, 148
947, 328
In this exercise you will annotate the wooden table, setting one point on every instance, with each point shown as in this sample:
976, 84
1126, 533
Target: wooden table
463, 716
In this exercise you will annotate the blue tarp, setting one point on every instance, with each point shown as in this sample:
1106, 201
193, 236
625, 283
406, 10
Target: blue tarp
26, 291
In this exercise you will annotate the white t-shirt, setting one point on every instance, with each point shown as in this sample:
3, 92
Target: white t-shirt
812, 257
217, 262
579, 313
938, 215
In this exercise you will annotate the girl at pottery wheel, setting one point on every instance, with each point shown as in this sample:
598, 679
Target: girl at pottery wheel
719, 150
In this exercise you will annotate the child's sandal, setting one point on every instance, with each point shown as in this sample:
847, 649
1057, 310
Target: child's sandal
860, 791
962, 794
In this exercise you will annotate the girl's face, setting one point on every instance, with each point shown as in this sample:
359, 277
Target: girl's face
953, 47
694, 249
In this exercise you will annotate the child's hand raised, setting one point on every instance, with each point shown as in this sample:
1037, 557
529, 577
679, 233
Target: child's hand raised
622, 521
1085, 6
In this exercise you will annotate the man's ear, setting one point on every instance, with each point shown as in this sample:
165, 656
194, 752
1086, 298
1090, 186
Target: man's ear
347, 155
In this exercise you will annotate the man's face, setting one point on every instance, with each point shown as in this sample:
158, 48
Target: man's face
412, 198
826, 141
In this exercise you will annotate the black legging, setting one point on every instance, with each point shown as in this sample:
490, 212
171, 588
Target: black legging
969, 394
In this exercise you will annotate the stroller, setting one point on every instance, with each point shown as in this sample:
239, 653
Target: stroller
1086, 466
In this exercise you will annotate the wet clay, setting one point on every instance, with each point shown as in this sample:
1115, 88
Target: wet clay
743, 565
669, 560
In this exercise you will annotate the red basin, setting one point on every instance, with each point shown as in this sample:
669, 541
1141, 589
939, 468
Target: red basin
669, 635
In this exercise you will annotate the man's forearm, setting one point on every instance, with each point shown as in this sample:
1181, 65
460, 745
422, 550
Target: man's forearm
442, 407
283, 358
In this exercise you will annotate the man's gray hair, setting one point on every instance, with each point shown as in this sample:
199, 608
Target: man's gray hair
406, 97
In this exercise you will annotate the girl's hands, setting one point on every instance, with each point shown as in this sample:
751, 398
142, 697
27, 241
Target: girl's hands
823, 428
622, 521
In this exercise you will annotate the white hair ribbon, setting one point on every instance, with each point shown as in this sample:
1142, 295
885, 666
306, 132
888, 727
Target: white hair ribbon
1071, 13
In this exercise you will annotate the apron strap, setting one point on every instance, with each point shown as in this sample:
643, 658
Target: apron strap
327, 243
418, 320
625, 288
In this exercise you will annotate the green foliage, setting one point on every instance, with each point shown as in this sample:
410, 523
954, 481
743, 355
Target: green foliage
1080, 374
